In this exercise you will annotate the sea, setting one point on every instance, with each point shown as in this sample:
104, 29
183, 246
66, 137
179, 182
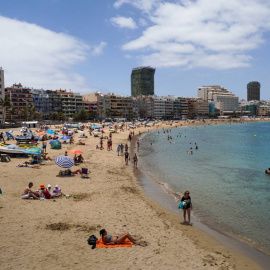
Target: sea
226, 177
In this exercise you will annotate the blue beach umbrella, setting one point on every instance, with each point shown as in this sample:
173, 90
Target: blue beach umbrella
10, 131
50, 131
64, 161
65, 138
22, 130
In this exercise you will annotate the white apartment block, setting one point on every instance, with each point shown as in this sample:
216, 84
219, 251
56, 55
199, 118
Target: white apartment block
2, 91
206, 92
226, 102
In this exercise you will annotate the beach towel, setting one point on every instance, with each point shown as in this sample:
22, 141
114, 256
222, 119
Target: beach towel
126, 243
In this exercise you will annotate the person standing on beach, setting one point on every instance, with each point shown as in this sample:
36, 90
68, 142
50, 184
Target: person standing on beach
138, 144
188, 206
135, 160
126, 157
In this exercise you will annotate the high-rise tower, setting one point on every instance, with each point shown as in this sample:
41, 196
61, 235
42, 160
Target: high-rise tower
253, 91
142, 81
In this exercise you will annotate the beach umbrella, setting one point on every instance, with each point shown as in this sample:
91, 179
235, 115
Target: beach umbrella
64, 161
41, 133
53, 141
65, 138
95, 127
22, 130
10, 131
75, 151
33, 151
50, 131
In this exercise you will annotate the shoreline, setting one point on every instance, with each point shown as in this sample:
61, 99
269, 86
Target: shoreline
205, 222
112, 199
167, 199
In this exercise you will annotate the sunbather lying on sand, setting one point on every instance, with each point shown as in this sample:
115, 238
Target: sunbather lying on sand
69, 172
29, 166
116, 240
28, 193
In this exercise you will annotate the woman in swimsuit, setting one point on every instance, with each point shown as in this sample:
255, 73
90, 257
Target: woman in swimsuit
115, 240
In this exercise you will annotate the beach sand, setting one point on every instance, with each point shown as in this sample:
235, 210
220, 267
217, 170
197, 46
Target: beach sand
50, 234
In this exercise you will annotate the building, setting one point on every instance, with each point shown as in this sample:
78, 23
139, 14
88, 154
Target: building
142, 81
2, 92
41, 102
55, 102
115, 106
21, 98
206, 92
253, 91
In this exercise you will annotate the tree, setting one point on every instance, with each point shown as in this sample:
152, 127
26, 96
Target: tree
82, 115
62, 116
25, 113
54, 116
12, 110
4, 102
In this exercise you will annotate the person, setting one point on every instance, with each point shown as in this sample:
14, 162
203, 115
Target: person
44, 156
122, 148
187, 199
28, 193
135, 160
126, 157
46, 194
57, 190
101, 144
71, 140
138, 144
25, 165
49, 187
80, 158
80, 143
75, 158
118, 149
44, 146
66, 153
126, 147
108, 145
115, 240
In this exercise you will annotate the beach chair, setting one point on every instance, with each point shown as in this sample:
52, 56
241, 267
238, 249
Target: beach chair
85, 173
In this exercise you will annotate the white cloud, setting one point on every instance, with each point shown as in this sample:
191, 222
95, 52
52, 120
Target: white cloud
144, 5
203, 33
99, 49
123, 22
40, 58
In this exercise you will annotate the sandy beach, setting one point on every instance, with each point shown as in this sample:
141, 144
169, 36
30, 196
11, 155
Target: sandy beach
53, 233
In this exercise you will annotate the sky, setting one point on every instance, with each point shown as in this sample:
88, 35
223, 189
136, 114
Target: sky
93, 45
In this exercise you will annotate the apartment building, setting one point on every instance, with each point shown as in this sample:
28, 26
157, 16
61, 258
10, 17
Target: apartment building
41, 102
142, 81
2, 92
20, 98
55, 102
143, 107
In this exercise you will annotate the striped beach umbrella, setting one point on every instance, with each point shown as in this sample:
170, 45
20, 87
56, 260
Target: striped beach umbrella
64, 161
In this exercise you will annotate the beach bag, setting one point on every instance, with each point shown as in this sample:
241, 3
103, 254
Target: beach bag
92, 240
182, 205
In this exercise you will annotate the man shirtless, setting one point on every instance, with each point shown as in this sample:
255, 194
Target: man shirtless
27, 193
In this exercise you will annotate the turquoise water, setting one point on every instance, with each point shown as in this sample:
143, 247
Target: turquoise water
225, 176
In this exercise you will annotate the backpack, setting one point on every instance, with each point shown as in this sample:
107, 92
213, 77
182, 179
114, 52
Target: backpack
92, 240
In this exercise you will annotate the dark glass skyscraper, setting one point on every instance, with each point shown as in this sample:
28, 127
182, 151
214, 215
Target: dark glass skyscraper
253, 91
142, 81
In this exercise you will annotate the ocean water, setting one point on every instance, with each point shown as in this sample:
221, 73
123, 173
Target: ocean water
225, 176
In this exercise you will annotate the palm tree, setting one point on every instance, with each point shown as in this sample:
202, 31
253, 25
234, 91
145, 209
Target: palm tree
82, 115
4, 102
54, 116
12, 110
25, 113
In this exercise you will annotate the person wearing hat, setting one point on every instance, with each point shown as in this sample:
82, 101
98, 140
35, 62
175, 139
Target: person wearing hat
49, 187
46, 194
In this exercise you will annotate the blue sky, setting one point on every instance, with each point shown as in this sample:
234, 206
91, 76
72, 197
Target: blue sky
92, 45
